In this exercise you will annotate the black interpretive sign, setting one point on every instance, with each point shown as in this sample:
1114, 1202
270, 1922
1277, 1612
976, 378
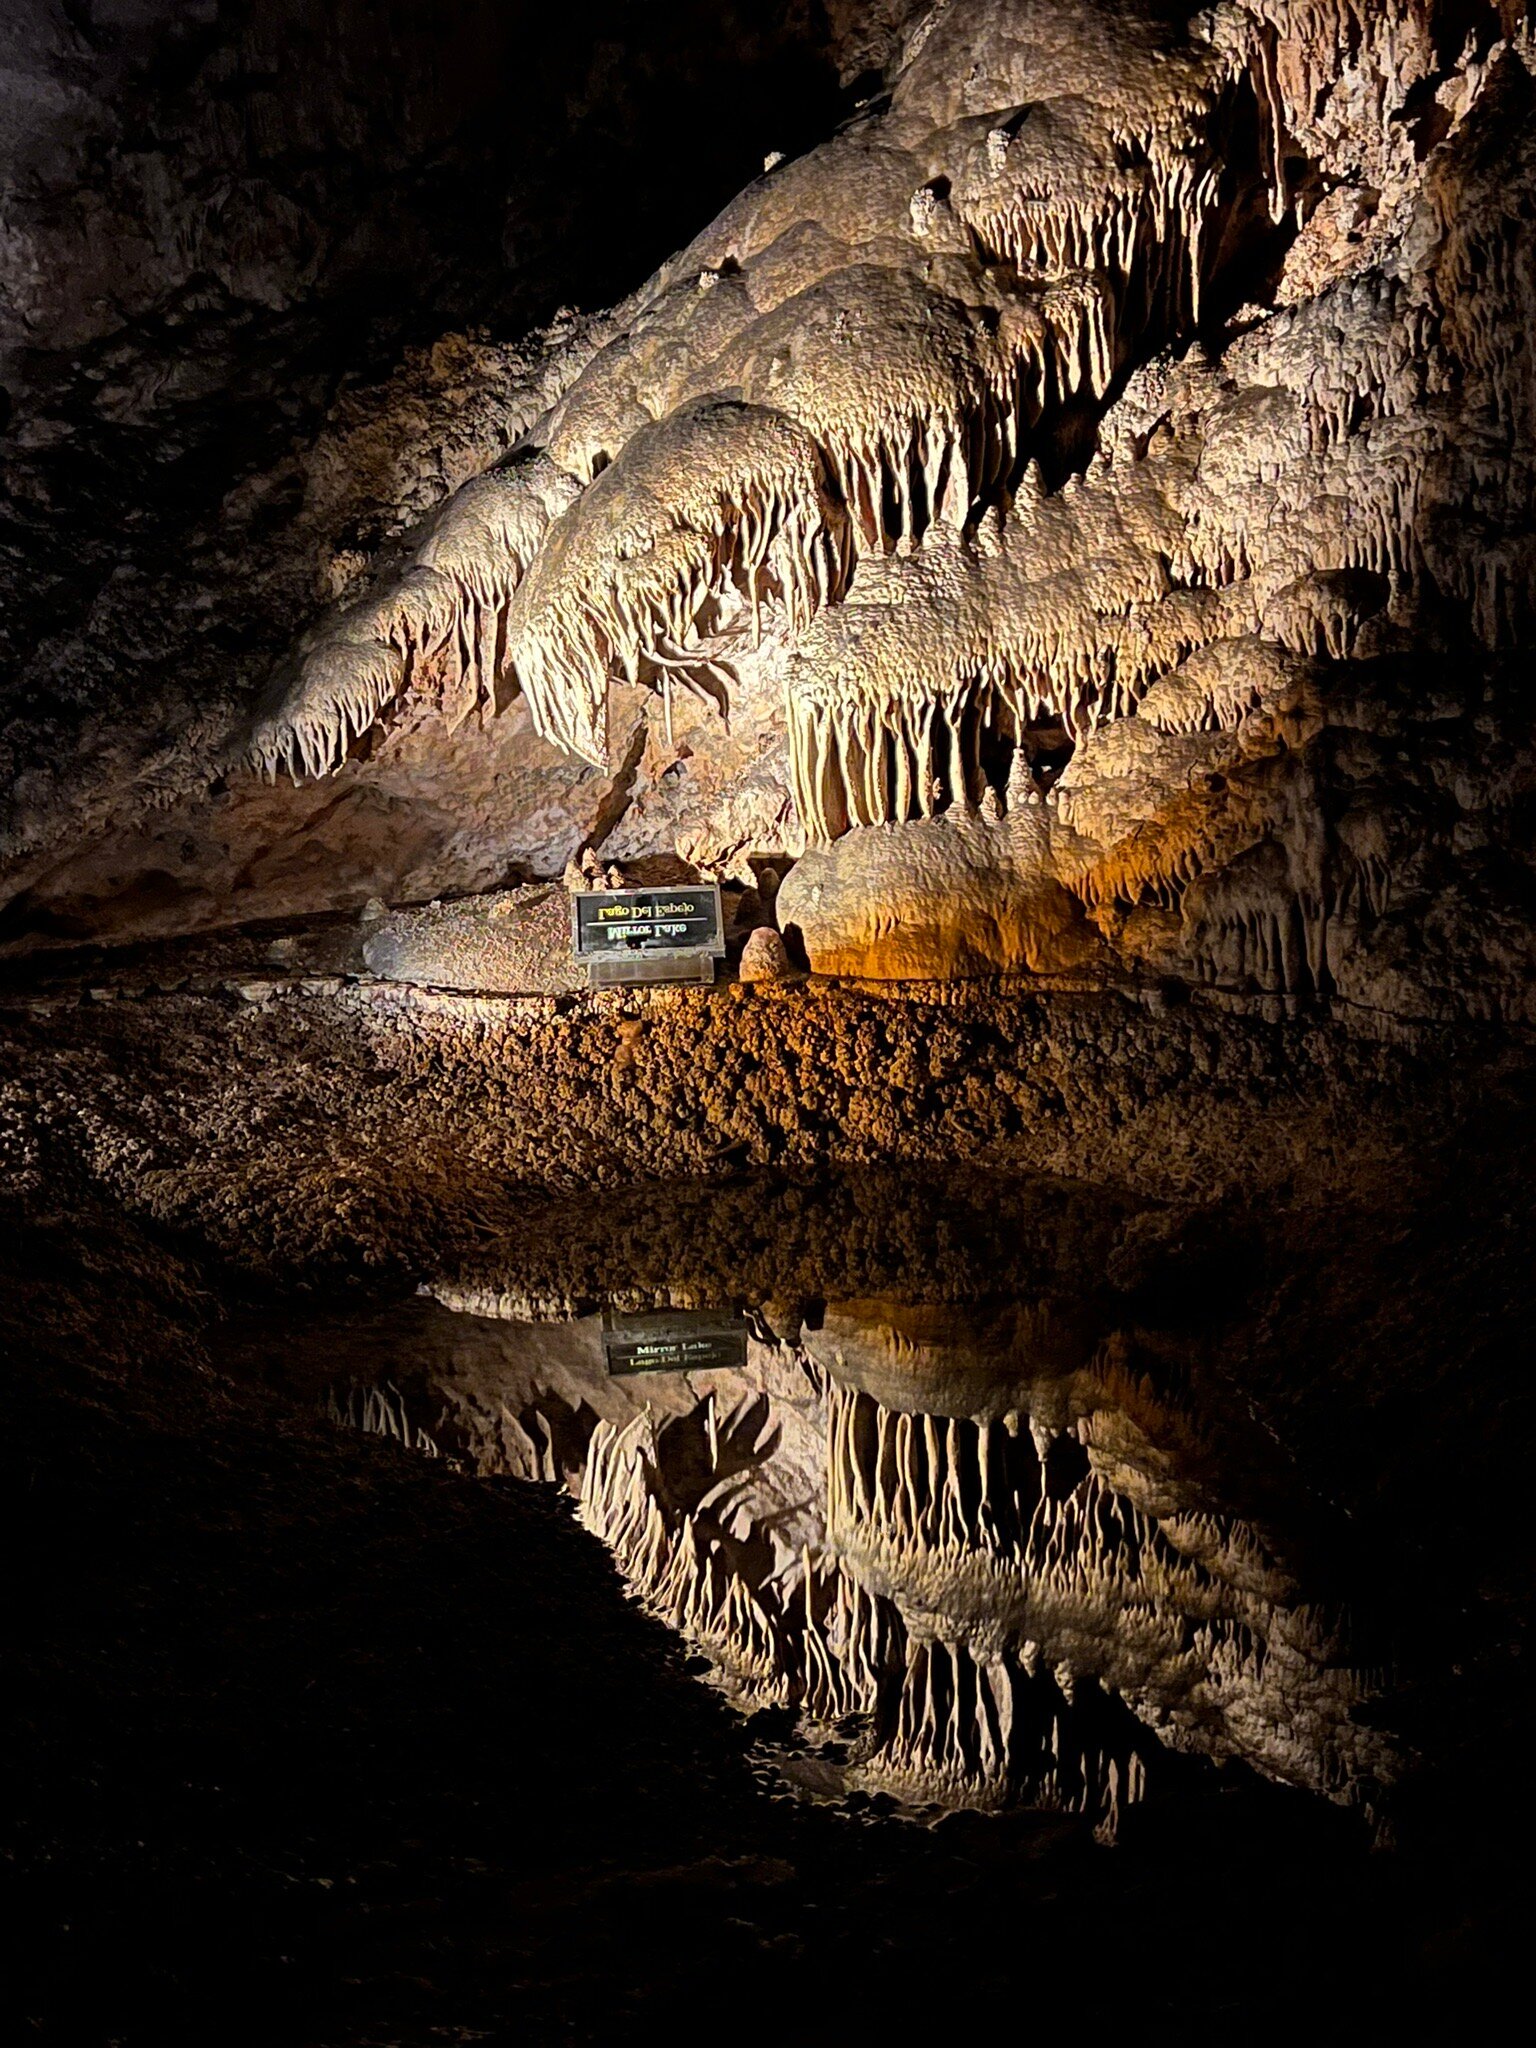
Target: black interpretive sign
630, 935
674, 1340
627, 921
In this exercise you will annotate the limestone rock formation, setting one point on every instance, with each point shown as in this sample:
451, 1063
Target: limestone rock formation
765, 957
1086, 502
509, 940
937, 897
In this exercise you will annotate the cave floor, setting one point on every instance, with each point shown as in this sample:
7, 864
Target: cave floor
315, 1741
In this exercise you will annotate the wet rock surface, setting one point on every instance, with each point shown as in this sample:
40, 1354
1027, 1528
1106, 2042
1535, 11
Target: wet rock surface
308, 1117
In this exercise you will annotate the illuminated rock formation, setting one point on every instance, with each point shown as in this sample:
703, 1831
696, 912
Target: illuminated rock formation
1004, 243
898, 319
997, 1533
508, 940
451, 604
1203, 774
1038, 501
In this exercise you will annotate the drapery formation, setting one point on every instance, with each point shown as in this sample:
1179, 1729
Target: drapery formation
860, 358
958, 437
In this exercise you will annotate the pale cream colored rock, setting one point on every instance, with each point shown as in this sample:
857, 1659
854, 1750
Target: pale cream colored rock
765, 957
952, 895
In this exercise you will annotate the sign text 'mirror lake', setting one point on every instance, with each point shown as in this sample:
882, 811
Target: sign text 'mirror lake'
650, 934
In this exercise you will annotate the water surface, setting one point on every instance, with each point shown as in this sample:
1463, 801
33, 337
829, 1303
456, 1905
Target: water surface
931, 1477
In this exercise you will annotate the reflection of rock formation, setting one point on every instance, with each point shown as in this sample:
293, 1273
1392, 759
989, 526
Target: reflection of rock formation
688, 1558
1008, 1538
379, 1411
967, 1543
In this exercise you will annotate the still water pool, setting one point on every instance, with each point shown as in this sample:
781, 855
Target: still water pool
954, 1487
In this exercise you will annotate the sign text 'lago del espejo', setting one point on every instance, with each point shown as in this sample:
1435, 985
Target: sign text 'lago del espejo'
633, 935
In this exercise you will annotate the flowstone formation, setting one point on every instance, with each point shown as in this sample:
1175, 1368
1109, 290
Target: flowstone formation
1080, 512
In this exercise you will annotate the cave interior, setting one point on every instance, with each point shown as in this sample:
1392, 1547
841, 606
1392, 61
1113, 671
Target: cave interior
892, 1469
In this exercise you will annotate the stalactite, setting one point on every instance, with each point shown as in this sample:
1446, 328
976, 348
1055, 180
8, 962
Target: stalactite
907, 327
1296, 49
721, 498
1052, 619
341, 689
1055, 199
482, 544
451, 603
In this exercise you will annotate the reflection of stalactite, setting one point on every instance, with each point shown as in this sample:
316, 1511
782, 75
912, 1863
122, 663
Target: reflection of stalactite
951, 1723
847, 1643
678, 1568
953, 1727
976, 1502
380, 1411
997, 1536
983, 1614
901, 1485
975, 1727
537, 1444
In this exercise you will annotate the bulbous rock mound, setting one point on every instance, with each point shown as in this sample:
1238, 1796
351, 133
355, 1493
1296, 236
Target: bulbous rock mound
1081, 513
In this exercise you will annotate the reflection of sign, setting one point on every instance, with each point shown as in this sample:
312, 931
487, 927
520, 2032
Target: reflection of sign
674, 1340
650, 934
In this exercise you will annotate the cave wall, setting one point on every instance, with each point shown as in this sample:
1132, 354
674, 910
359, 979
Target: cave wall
1211, 470
232, 239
